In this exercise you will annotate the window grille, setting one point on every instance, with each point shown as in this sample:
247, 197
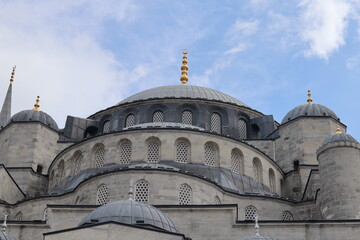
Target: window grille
217, 200
78, 161
182, 152
256, 171
287, 216
19, 216
242, 129
125, 153
272, 180
185, 193
158, 116
210, 155
106, 127
235, 162
250, 213
102, 195
99, 157
130, 120
215, 123
142, 191
153, 152
186, 117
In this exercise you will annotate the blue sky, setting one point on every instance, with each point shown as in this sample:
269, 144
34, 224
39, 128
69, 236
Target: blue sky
82, 56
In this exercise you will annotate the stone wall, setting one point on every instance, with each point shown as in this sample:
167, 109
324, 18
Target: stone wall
9, 192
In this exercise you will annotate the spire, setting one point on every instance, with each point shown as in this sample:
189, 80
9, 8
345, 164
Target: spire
338, 131
257, 234
5, 113
131, 192
184, 68
4, 226
37, 105
309, 100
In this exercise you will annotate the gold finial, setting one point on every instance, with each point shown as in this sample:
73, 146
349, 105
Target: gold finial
12, 75
184, 68
338, 131
37, 105
309, 100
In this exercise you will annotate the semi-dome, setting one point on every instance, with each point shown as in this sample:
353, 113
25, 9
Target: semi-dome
340, 137
35, 116
182, 91
310, 110
130, 212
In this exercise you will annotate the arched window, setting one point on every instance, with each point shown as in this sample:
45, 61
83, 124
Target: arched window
185, 194
106, 126
242, 129
78, 161
130, 120
158, 116
60, 171
217, 200
99, 157
182, 151
19, 216
287, 216
236, 163
186, 117
45, 214
153, 154
102, 195
257, 168
142, 191
125, 152
210, 155
215, 123
250, 213
272, 180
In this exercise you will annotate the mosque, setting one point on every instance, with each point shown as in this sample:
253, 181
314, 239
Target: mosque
178, 162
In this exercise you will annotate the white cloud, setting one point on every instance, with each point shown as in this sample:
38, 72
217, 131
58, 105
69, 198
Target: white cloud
59, 57
243, 28
324, 25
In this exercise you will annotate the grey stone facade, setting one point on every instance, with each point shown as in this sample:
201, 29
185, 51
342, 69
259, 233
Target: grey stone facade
206, 160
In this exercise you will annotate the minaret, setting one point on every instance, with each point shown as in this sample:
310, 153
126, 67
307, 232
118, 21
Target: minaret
184, 68
5, 113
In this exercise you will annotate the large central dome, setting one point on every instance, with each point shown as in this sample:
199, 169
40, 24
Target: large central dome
182, 91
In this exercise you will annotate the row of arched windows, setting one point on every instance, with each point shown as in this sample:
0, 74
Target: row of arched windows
182, 154
186, 118
257, 174
251, 212
141, 193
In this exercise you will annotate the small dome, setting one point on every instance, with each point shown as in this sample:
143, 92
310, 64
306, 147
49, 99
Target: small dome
35, 116
130, 212
340, 137
310, 110
182, 91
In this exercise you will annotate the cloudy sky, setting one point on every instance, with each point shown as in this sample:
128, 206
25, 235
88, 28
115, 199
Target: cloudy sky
82, 56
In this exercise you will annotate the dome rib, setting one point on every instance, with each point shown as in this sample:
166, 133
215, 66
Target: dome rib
182, 91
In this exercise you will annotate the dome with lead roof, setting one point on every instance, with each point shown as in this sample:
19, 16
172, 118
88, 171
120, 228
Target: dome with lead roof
309, 110
182, 92
130, 212
35, 116
340, 137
